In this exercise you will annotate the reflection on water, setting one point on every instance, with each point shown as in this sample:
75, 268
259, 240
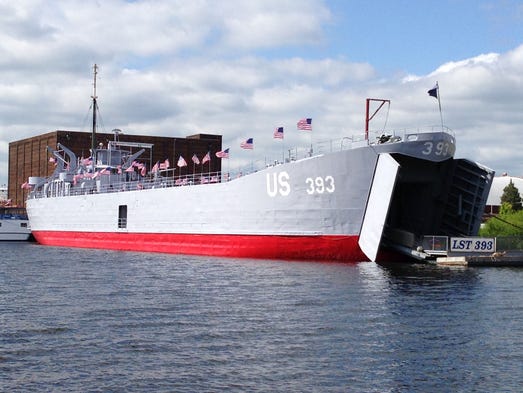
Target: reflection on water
92, 320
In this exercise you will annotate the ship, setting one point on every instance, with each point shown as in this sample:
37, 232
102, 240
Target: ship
362, 197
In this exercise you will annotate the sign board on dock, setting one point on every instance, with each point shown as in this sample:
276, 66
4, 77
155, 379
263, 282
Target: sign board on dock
472, 244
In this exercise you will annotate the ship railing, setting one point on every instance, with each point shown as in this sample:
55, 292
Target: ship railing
402, 134
353, 141
435, 245
173, 178
162, 179
320, 147
297, 153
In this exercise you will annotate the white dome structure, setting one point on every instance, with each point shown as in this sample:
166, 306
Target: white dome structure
498, 185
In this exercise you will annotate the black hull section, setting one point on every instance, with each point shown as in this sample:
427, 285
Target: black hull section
436, 198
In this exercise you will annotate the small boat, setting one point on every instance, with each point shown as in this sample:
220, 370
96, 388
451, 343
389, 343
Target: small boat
14, 224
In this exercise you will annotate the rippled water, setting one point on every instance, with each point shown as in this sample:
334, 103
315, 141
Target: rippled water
90, 320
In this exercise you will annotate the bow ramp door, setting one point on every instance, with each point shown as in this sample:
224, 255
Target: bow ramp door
378, 204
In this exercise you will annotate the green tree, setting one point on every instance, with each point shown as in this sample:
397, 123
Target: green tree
511, 196
507, 223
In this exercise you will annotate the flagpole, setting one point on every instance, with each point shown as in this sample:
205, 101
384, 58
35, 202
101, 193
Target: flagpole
310, 151
439, 104
282, 145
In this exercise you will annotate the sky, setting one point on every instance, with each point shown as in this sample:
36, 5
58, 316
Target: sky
241, 68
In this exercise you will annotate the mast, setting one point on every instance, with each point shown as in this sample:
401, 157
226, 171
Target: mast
368, 118
94, 97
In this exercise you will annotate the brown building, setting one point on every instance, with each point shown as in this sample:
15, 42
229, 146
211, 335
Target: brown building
29, 157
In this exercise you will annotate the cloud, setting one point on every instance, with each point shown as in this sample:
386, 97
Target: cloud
273, 23
177, 68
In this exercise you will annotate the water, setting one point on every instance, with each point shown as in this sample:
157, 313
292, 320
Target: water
103, 321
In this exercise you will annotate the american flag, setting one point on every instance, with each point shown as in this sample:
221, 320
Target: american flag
247, 144
155, 167
223, 153
165, 165
195, 159
206, 158
78, 176
141, 167
305, 124
278, 133
181, 162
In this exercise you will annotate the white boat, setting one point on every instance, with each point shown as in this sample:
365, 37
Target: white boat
14, 224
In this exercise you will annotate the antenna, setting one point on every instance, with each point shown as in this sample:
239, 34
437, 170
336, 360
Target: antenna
94, 97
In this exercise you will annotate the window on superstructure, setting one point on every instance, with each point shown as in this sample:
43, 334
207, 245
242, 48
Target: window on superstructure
122, 216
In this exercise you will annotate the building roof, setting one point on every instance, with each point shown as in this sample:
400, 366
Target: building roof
498, 184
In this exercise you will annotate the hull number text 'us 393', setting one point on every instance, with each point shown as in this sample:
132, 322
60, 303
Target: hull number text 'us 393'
278, 183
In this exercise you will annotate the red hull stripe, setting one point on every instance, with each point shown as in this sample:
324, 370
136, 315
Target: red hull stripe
321, 248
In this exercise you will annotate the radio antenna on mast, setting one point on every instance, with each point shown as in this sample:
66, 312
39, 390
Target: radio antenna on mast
95, 107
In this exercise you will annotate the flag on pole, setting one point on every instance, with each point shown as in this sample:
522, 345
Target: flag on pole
195, 159
278, 133
181, 162
223, 153
166, 164
305, 124
247, 144
434, 91
206, 158
155, 167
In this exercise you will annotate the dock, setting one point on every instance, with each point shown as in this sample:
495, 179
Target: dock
496, 259
471, 251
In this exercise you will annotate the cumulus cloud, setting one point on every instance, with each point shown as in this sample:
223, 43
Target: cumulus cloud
177, 68
273, 23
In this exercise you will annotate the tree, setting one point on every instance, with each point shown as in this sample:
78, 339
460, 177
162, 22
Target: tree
511, 196
507, 223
